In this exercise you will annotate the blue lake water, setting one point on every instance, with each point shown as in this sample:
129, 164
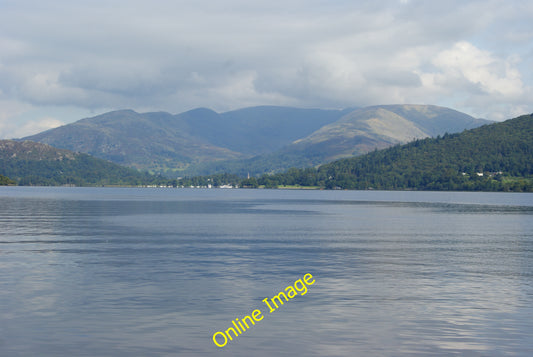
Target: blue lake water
156, 272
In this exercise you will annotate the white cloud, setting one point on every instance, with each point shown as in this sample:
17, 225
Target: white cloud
465, 62
490, 86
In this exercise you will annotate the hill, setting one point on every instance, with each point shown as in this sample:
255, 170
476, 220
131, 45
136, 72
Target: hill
258, 130
376, 127
356, 133
255, 140
32, 163
160, 141
492, 157
145, 141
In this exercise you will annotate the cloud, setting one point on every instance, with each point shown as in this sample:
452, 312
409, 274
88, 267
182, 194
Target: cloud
176, 55
10, 129
479, 80
8, 110
472, 66
36, 126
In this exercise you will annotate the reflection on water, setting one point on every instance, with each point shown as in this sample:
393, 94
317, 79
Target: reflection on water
140, 272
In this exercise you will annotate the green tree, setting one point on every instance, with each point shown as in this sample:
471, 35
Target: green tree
5, 181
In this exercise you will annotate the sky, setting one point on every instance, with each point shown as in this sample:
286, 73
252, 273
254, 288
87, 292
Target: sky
64, 60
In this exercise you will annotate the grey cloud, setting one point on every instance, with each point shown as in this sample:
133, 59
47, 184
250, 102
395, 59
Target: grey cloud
174, 55
397, 78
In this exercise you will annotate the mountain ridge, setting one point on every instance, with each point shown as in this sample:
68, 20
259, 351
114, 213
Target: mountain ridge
392, 124
264, 138
356, 133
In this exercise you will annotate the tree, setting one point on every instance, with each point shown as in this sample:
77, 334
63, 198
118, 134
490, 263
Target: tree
249, 183
5, 181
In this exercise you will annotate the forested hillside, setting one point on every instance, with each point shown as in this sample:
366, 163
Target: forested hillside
496, 157
32, 163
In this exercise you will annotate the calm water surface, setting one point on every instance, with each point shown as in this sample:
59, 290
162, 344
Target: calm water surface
156, 272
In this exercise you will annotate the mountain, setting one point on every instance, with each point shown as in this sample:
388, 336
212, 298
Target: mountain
495, 157
158, 141
250, 140
144, 141
357, 132
257, 130
366, 129
32, 163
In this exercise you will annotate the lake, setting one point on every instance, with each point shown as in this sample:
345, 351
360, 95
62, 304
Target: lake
157, 272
